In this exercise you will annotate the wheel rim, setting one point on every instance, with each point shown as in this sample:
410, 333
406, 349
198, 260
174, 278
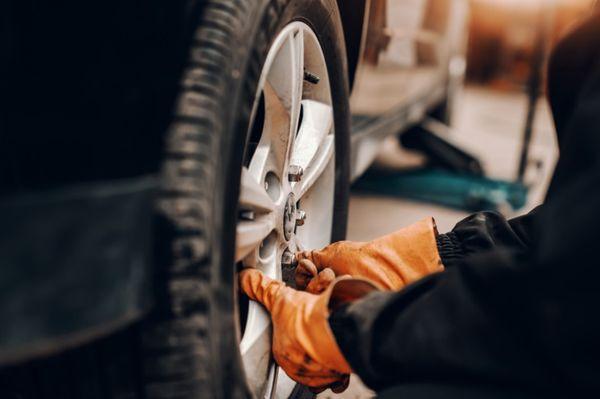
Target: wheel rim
287, 186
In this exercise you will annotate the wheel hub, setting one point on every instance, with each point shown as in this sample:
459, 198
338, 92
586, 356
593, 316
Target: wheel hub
289, 217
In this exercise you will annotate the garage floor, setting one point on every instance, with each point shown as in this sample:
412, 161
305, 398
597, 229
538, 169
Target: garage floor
489, 124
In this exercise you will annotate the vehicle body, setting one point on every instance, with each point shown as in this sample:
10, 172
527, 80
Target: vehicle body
412, 63
120, 281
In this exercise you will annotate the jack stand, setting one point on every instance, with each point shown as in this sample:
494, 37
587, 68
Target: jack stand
452, 177
430, 139
454, 190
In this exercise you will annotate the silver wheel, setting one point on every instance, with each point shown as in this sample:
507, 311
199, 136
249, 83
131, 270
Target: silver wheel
287, 185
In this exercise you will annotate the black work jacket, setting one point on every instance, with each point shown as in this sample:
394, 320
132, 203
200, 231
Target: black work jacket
518, 306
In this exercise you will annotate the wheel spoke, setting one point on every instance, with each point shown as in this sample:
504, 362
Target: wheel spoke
259, 207
296, 245
317, 123
250, 234
285, 385
275, 141
316, 167
297, 78
257, 325
255, 347
286, 74
258, 321
283, 92
261, 159
279, 77
253, 196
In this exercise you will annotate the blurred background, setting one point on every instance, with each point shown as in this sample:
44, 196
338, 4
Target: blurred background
489, 118
503, 37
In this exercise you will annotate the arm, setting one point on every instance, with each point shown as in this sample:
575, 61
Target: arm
506, 317
486, 231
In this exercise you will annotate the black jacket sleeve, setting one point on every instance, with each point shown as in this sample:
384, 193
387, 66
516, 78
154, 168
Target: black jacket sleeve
501, 316
486, 231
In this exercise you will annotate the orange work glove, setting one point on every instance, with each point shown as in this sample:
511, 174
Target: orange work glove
303, 343
391, 262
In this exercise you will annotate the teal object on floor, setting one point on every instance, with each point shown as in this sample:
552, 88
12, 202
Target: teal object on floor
471, 193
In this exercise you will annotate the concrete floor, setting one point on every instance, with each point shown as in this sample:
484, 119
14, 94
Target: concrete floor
490, 125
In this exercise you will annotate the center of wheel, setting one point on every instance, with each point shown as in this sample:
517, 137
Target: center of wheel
289, 217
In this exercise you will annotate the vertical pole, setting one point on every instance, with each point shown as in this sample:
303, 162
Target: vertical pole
545, 22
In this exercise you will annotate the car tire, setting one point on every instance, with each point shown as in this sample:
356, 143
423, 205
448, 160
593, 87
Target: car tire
190, 345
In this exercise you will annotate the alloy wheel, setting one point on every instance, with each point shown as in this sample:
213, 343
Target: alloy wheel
287, 187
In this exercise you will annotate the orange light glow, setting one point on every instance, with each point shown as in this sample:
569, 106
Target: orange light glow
532, 3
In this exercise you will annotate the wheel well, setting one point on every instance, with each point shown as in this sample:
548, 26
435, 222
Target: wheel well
353, 18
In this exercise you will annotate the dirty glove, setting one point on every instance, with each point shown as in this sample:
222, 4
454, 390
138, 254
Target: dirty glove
391, 262
303, 343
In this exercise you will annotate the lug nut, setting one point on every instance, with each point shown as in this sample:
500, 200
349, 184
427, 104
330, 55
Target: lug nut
300, 218
288, 259
295, 174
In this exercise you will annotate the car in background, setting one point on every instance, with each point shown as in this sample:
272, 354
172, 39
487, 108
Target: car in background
148, 152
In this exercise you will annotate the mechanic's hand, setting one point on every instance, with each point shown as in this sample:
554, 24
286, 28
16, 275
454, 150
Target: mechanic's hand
303, 343
392, 261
